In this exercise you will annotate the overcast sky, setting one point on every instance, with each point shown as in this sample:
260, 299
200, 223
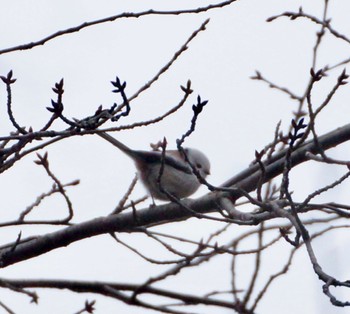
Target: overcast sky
240, 118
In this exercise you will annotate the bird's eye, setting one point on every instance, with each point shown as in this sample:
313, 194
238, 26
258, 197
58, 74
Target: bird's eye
198, 166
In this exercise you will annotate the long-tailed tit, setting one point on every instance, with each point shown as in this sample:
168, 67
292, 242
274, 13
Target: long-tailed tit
177, 177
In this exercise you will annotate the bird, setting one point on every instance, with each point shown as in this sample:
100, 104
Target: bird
177, 177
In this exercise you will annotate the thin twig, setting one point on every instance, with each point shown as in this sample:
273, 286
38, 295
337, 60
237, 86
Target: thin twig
112, 19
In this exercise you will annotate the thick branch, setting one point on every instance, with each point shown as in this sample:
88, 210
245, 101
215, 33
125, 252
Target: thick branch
127, 222
100, 288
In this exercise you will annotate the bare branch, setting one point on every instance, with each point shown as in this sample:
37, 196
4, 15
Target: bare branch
324, 23
112, 19
100, 288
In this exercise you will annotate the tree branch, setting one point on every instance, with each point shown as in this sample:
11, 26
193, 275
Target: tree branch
125, 222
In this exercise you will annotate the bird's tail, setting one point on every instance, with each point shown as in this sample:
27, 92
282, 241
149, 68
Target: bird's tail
118, 144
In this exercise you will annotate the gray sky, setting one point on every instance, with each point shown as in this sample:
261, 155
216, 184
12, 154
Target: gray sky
240, 118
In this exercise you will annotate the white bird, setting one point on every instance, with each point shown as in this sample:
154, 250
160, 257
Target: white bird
177, 177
